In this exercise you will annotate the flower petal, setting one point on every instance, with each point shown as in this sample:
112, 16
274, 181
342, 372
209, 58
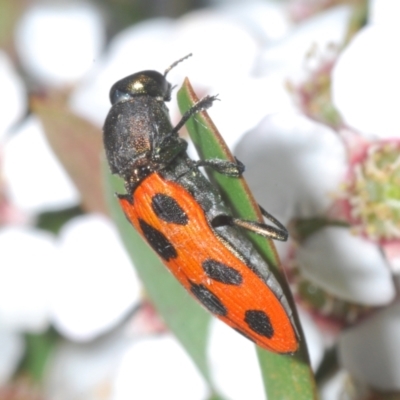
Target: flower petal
319, 32
370, 351
96, 285
292, 165
210, 66
35, 178
383, 12
366, 82
346, 266
270, 20
158, 368
85, 371
335, 387
27, 261
235, 380
58, 42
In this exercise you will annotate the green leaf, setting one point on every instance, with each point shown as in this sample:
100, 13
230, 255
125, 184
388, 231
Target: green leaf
303, 228
186, 319
285, 376
38, 350
53, 221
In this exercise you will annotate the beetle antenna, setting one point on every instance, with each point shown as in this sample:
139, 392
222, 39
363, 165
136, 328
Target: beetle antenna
176, 63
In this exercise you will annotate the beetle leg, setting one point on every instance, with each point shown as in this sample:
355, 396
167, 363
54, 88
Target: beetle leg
268, 231
229, 168
265, 230
203, 104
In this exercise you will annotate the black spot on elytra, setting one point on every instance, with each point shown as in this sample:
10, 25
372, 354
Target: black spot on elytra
168, 209
157, 240
208, 299
259, 322
222, 273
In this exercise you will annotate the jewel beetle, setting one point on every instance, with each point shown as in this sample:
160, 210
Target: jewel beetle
183, 217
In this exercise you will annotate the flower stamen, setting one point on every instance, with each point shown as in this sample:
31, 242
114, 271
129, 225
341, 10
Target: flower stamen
374, 193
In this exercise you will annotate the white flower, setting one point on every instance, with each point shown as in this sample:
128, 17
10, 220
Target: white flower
383, 12
85, 370
366, 83
370, 351
347, 266
59, 42
294, 167
156, 368
347, 178
28, 259
95, 285
269, 19
34, 177
235, 380
335, 387
83, 284
287, 58
160, 42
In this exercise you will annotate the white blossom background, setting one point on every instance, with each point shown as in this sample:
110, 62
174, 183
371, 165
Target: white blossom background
309, 96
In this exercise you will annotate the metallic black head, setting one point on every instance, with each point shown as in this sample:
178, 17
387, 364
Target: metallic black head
150, 83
